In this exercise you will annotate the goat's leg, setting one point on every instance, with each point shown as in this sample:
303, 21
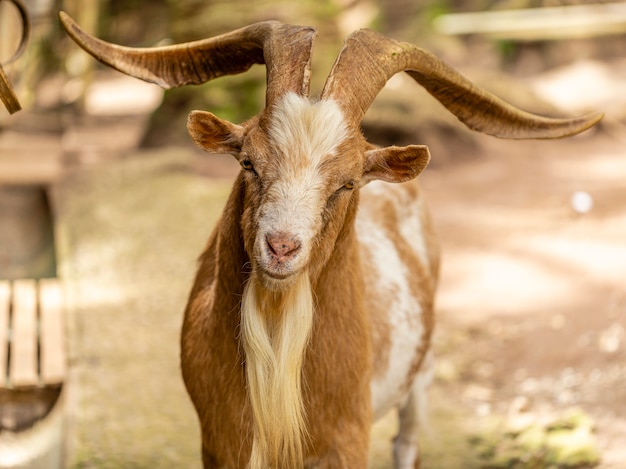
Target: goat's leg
412, 416
405, 444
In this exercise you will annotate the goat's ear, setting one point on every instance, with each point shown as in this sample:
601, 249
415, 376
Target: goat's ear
213, 134
395, 164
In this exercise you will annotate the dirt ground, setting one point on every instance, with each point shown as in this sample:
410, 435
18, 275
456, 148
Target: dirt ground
532, 300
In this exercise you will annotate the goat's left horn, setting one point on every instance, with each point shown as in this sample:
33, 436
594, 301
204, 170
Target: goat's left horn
369, 59
284, 48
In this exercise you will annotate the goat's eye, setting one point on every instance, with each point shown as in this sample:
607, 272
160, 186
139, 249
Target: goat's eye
348, 186
247, 165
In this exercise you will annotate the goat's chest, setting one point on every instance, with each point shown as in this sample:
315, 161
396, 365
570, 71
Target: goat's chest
396, 258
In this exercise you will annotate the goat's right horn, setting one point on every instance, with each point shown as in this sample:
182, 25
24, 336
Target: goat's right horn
284, 49
369, 59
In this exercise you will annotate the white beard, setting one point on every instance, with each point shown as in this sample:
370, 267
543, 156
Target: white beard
275, 327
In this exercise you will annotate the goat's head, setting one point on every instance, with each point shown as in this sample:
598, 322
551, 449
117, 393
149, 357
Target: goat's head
303, 161
302, 165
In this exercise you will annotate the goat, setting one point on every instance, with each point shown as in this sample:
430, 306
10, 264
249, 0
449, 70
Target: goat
311, 314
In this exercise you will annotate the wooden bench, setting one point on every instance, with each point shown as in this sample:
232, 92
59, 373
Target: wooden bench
32, 350
31, 331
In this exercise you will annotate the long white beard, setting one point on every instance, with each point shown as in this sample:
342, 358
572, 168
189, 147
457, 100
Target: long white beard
276, 326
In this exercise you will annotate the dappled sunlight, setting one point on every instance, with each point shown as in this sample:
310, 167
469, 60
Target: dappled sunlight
528, 274
121, 95
498, 282
596, 261
96, 286
593, 83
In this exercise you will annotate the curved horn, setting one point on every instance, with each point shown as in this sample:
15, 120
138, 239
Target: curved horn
7, 95
21, 9
285, 49
368, 59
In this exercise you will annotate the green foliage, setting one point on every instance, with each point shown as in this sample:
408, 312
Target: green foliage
435, 9
566, 442
506, 49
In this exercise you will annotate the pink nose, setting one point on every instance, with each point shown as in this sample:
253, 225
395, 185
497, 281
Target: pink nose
282, 246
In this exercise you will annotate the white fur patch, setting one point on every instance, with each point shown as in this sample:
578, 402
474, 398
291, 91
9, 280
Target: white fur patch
404, 316
410, 212
300, 128
405, 312
303, 134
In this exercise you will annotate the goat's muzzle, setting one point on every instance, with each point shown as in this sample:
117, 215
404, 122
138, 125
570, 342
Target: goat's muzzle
280, 255
282, 246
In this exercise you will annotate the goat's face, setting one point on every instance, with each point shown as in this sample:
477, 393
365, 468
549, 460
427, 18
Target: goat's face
302, 168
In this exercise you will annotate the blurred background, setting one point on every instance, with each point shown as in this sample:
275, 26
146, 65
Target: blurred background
103, 194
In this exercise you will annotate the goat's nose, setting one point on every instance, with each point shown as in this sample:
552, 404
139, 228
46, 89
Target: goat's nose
282, 246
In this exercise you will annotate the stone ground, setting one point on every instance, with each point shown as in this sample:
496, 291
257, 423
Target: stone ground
532, 303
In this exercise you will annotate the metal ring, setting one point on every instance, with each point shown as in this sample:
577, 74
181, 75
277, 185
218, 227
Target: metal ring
21, 9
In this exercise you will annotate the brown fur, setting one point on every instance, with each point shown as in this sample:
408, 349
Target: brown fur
211, 355
336, 381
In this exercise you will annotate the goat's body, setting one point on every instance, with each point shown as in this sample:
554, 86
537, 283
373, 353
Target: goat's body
345, 385
400, 260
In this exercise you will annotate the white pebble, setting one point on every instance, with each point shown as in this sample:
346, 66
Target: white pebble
582, 202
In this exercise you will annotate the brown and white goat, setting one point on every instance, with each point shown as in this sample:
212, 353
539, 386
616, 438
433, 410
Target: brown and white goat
312, 310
